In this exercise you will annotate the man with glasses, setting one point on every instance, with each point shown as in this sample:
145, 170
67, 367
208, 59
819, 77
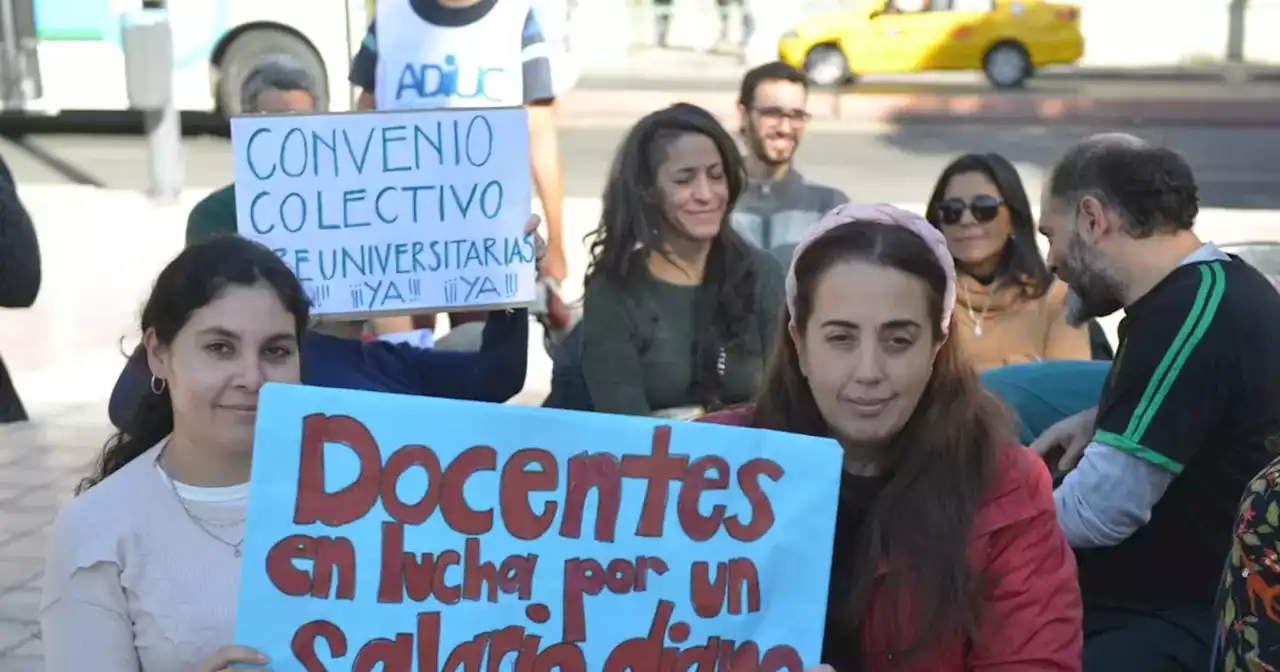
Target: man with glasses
779, 204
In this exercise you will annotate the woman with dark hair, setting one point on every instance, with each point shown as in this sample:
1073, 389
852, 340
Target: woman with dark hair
1011, 308
679, 310
948, 554
144, 567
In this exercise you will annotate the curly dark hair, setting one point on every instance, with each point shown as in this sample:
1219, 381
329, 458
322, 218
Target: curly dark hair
633, 224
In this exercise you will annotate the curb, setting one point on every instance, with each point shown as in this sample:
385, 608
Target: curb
625, 106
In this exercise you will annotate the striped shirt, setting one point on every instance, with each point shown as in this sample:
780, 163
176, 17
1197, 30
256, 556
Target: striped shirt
774, 215
1194, 392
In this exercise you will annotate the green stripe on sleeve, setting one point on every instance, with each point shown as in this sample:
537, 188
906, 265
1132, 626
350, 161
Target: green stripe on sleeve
1218, 283
1123, 443
1193, 328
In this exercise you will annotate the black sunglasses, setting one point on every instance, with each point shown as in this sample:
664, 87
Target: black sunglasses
984, 209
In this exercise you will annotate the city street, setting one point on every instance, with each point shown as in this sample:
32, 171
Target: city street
103, 243
884, 163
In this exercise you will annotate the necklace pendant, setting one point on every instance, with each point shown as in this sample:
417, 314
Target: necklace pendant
237, 552
977, 330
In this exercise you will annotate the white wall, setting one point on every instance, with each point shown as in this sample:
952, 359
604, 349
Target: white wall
1174, 32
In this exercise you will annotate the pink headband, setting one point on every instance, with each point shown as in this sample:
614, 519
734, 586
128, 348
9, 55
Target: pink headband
884, 214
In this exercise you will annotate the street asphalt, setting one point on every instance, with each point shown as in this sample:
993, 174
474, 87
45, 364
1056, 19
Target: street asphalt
887, 163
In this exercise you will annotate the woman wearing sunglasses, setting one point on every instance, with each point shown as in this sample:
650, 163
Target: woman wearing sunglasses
1009, 306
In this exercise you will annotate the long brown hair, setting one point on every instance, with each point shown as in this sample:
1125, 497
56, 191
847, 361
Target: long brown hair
937, 466
633, 223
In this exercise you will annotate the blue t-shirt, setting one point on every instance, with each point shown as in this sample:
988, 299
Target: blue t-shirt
538, 86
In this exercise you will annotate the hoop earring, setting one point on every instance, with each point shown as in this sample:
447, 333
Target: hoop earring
157, 385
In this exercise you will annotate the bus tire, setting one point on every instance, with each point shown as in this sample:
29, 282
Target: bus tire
252, 47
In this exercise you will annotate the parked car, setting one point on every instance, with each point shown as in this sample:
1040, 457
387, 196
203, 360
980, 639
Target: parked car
1006, 39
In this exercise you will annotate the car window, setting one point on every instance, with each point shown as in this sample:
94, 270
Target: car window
917, 6
969, 5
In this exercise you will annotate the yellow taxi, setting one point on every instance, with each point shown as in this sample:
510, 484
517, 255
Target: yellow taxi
1006, 39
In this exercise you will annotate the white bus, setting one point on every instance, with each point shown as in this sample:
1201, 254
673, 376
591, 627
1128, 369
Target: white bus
64, 55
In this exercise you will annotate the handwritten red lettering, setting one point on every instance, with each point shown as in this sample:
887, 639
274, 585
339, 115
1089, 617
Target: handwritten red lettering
304, 642
658, 469
401, 461
585, 576
516, 485
351, 503
329, 556
422, 650
698, 480
421, 576
588, 472
761, 509
459, 515
530, 496
733, 579
525, 472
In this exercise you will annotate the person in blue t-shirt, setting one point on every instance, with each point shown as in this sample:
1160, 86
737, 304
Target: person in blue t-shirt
538, 96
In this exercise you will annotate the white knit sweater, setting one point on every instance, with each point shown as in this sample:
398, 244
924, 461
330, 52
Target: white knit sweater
131, 582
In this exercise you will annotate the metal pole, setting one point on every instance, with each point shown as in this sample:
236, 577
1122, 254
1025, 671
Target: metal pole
150, 62
12, 65
1237, 67
164, 140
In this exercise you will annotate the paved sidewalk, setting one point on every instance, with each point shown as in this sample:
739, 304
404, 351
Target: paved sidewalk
40, 464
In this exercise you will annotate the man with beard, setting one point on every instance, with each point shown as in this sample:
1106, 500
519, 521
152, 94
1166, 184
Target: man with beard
1185, 412
779, 204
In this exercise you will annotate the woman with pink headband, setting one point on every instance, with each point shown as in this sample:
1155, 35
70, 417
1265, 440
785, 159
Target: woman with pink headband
948, 554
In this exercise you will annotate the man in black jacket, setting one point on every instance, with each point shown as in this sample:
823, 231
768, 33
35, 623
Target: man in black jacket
19, 275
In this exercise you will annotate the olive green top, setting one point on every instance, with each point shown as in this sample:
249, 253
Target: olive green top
637, 349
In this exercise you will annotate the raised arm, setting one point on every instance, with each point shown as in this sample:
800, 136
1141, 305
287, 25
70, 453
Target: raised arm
494, 373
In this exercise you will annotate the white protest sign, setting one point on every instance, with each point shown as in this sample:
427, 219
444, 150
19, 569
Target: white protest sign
392, 212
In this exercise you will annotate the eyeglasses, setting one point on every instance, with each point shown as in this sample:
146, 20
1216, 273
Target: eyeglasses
776, 114
983, 207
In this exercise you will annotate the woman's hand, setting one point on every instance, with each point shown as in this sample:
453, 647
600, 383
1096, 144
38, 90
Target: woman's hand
224, 658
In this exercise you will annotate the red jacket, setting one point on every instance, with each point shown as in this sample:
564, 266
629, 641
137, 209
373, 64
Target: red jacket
1033, 609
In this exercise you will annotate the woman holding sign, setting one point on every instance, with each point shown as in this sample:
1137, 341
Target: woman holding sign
144, 567
948, 554
679, 310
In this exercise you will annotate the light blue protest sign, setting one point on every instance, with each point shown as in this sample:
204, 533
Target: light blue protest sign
392, 212
430, 534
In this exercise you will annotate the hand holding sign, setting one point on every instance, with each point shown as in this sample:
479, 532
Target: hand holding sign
229, 657
539, 243
503, 537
